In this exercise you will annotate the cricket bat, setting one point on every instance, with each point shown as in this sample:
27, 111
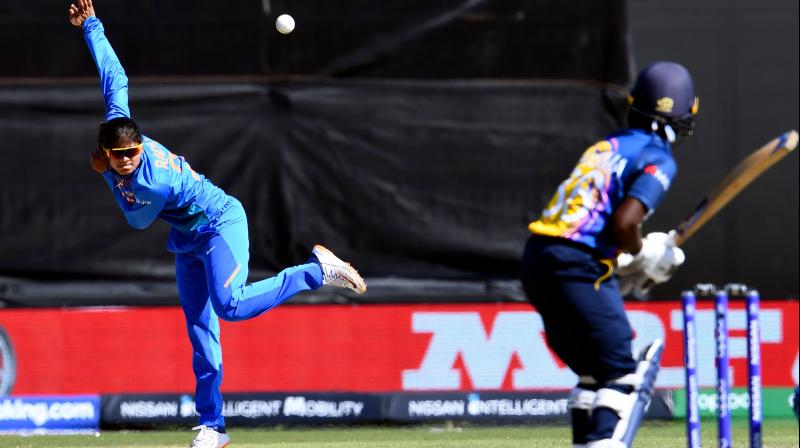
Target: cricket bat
734, 182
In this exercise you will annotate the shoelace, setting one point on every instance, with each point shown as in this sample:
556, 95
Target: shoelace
333, 277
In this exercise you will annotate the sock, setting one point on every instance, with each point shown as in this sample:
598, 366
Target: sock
580, 425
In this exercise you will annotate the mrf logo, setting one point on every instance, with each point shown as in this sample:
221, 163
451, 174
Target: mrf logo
466, 352
485, 355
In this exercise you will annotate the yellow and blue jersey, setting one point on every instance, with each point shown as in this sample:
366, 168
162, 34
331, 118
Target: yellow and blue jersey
631, 163
163, 185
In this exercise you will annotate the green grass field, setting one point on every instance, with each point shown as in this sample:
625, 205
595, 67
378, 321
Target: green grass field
778, 433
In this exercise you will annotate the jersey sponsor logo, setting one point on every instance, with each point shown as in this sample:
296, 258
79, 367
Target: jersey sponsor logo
132, 199
665, 105
662, 178
123, 185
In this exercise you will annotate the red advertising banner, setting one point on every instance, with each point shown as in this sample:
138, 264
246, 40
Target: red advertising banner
366, 348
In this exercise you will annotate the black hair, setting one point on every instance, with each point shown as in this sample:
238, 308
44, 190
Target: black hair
112, 131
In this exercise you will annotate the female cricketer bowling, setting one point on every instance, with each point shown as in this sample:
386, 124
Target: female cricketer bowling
209, 231
568, 263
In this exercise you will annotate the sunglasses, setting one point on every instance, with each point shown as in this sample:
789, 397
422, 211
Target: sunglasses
120, 153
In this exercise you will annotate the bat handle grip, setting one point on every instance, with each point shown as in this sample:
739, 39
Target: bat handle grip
676, 237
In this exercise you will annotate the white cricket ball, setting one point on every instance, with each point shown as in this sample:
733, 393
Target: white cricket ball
284, 24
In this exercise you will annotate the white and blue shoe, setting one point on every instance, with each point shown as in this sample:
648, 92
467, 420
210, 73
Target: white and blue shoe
336, 272
208, 437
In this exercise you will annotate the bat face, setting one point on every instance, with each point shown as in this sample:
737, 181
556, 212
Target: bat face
734, 182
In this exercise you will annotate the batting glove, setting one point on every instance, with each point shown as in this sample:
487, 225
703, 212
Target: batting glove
655, 263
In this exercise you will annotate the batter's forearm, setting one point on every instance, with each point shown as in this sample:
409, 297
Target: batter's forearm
629, 238
626, 225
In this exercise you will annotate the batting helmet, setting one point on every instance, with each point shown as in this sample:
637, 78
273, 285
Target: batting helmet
664, 92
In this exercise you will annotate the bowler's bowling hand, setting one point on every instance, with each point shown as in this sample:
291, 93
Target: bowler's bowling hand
80, 11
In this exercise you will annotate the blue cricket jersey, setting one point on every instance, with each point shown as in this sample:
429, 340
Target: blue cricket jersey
163, 185
631, 163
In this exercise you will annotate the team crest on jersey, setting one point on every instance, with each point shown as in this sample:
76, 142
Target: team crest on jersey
662, 178
123, 185
665, 105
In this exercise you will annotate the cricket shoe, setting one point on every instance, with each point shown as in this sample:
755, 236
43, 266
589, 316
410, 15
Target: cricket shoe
336, 272
209, 438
